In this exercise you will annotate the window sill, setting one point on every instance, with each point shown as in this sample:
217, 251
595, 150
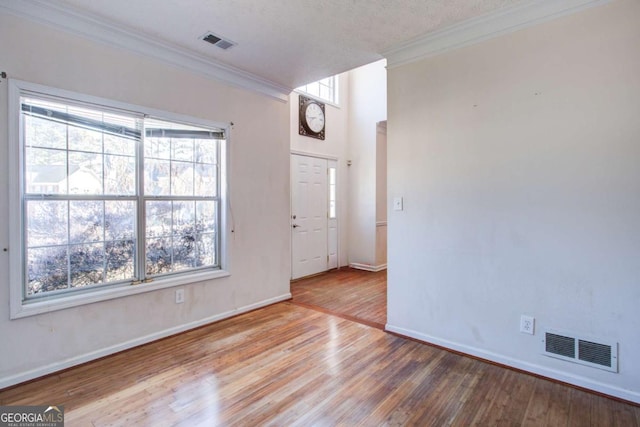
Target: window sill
32, 308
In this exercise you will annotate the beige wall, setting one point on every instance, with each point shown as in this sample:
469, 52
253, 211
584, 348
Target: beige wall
518, 162
259, 189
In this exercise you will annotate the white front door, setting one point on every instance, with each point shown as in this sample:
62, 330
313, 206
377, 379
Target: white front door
308, 215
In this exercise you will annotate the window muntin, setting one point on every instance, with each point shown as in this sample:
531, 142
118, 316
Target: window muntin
94, 209
325, 89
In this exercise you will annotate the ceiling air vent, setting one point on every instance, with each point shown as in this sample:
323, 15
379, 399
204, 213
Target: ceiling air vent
218, 41
569, 347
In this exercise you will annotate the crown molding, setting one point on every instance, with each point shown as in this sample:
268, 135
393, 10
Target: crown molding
93, 28
483, 28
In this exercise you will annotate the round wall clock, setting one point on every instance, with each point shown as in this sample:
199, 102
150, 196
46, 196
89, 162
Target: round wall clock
311, 118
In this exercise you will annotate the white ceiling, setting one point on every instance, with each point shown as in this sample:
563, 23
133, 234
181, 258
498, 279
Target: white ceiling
288, 42
283, 44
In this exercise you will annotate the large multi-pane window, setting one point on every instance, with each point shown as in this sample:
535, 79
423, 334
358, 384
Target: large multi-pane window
111, 197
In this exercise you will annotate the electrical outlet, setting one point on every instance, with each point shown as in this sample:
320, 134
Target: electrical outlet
398, 204
179, 296
527, 324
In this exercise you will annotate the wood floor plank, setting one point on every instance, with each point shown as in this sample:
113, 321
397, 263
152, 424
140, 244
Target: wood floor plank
536, 414
359, 295
290, 365
580, 408
559, 405
600, 415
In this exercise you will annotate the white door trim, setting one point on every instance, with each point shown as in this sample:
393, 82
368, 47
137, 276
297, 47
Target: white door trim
316, 155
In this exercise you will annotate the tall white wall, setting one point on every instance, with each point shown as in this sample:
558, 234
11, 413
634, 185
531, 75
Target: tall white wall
333, 146
518, 162
259, 189
367, 107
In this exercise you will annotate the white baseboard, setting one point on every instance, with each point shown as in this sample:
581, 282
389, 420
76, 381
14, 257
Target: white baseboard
367, 267
87, 357
576, 380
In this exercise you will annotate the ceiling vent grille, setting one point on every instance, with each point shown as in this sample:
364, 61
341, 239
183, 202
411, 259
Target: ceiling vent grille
569, 347
218, 41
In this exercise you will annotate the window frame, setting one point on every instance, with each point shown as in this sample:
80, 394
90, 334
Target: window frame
20, 306
335, 101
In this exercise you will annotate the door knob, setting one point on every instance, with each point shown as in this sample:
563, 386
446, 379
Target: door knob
295, 226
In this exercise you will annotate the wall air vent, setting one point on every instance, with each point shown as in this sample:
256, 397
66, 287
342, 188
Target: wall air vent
218, 41
598, 353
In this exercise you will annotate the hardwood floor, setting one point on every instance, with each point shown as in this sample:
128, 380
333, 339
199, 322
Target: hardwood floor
352, 294
290, 365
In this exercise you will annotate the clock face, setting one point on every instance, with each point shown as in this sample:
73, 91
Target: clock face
314, 117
